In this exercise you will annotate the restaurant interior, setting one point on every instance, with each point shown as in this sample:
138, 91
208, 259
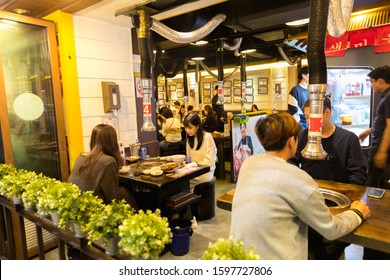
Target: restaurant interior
86, 62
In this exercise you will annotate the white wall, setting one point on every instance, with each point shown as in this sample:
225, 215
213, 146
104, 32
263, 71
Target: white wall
104, 53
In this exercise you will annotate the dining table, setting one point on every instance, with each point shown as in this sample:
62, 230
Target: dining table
373, 233
152, 192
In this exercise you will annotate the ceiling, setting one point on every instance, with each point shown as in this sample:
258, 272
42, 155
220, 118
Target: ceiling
262, 21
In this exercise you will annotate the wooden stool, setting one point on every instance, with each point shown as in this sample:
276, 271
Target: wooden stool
204, 209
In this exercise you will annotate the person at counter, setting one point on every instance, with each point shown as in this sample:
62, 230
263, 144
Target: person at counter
298, 96
210, 124
201, 148
344, 163
218, 108
275, 202
171, 130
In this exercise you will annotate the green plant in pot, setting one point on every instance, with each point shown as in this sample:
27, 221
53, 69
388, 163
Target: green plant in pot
229, 249
35, 189
103, 225
5, 169
56, 197
144, 235
15, 183
80, 210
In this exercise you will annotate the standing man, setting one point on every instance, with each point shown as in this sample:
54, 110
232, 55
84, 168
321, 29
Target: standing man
218, 109
298, 96
379, 152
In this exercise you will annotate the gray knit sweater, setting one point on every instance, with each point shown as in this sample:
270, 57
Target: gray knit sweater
273, 206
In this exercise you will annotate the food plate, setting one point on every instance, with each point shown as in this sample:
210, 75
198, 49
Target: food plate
132, 159
124, 169
146, 171
157, 172
169, 167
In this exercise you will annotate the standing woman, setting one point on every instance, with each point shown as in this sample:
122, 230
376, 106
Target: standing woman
200, 147
97, 170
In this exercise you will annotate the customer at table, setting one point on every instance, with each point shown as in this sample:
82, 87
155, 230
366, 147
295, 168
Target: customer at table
344, 163
201, 147
217, 106
97, 170
254, 108
170, 130
275, 202
210, 124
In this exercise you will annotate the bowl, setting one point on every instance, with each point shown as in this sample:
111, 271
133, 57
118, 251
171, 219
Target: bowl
178, 158
132, 159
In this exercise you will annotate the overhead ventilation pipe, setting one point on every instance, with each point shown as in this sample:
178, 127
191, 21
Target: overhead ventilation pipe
243, 81
339, 15
187, 37
288, 60
143, 35
185, 83
220, 71
317, 78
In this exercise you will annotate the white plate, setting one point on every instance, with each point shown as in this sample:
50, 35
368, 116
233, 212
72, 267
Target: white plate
156, 172
124, 169
147, 171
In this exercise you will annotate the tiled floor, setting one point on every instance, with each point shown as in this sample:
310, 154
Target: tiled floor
218, 227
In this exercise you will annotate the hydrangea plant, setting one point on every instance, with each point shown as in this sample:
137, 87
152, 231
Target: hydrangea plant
104, 224
229, 249
144, 235
81, 209
15, 183
35, 189
57, 196
5, 169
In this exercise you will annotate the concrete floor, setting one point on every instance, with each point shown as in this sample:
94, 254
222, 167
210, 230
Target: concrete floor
218, 227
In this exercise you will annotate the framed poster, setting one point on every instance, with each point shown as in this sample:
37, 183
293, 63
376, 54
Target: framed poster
227, 84
249, 82
262, 90
249, 99
237, 91
227, 99
207, 100
161, 95
179, 85
180, 94
172, 87
206, 85
227, 91
207, 93
237, 99
236, 83
161, 102
263, 82
160, 88
249, 91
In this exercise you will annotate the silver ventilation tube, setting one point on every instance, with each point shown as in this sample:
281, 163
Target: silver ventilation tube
339, 15
317, 78
187, 37
283, 54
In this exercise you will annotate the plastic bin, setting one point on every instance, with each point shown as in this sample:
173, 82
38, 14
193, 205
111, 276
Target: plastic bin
181, 233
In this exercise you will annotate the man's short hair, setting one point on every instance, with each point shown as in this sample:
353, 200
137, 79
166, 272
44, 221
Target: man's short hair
177, 103
382, 72
327, 104
303, 71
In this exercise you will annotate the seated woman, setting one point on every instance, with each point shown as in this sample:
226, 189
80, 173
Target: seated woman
97, 170
254, 108
200, 148
210, 124
171, 130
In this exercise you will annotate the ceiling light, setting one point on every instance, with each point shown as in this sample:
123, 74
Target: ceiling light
200, 43
299, 22
162, 51
23, 12
198, 58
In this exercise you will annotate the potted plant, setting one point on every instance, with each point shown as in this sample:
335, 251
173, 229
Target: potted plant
15, 183
35, 189
103, 225
229, 249
5, 169
56, 197
79, 211
144, 235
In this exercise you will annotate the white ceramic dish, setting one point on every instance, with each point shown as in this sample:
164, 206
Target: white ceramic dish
178, 158
124, 169
147, 171
157, 172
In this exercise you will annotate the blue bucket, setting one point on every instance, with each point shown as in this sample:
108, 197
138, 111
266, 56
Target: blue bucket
181, 233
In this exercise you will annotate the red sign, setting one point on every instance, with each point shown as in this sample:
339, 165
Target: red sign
336, 46
382, 40
147, 109
362, 38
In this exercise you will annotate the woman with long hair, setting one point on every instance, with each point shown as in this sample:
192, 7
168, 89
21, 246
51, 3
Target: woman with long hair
210, 124
97, 170
200, 147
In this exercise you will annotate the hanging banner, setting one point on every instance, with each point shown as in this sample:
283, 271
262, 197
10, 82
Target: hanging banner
382, 39
362, 38
336, 46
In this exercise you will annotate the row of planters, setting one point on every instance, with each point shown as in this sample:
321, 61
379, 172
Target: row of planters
143, 235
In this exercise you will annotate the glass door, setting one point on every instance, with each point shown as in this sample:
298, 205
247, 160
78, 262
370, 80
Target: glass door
33, 128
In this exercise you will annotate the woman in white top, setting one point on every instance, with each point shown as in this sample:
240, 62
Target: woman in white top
171, 130
200, 147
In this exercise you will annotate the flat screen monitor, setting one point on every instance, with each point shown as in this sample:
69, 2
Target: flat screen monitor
244, 142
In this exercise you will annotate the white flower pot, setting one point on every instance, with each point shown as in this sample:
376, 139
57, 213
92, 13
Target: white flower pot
17, 200
55, 218
77, 231
112, 246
